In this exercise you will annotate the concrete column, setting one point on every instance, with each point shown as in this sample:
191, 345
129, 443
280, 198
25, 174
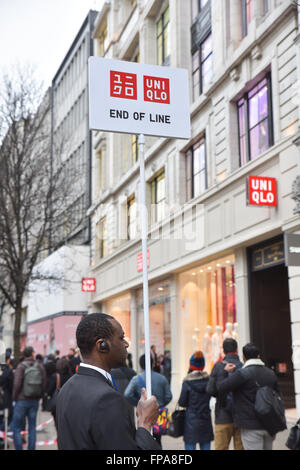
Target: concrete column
242, 296
176, 342
148, 42
294, 289
180, 24
235, 22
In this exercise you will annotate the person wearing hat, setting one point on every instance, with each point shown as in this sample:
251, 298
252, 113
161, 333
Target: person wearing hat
198, 424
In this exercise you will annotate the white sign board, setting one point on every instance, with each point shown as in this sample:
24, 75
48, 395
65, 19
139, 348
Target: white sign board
138, 99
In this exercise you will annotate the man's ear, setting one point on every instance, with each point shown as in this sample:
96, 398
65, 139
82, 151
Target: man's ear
102, 345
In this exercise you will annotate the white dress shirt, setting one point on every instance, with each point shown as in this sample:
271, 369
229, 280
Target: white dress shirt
103, 372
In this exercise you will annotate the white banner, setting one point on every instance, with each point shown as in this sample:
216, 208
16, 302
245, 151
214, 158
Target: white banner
138, 99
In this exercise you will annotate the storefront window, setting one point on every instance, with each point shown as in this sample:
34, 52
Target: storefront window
207, 309
159, 318
119, 308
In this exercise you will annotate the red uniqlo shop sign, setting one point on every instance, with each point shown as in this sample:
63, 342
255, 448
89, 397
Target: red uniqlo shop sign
138, 98
261, 191
88, 284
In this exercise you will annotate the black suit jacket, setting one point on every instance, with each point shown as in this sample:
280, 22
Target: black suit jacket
91, 415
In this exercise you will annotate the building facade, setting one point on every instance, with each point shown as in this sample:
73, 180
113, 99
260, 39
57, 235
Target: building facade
216, 263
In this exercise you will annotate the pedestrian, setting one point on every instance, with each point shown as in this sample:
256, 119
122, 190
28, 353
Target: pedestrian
50, 368
155, 363
243, 385
29, 385
74, 360
197, 424
6, 389
56, 355
225, 430
90, 413
166, 363
159, 385
122, 377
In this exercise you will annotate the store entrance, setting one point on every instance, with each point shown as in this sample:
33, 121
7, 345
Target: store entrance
271, 326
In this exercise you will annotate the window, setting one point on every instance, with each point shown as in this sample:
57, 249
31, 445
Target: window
135, 148
131, 218
102, 42
101, 239
247, 13
202, 70
158, 197
255, 121
197, 6
163, 38
195, 160
266, 6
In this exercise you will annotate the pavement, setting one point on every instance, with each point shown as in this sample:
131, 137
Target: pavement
46, 434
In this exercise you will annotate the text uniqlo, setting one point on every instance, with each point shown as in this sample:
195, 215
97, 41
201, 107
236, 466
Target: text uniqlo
156, 90
123, 85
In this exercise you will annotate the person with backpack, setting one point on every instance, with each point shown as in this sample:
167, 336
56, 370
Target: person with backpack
225, 430
247, 385
29, 386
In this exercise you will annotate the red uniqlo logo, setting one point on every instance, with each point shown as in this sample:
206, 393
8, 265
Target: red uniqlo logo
123, 85
156, 90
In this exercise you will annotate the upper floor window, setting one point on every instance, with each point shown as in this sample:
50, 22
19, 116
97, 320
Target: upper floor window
247, 14
101, 239
102, 42
158, 197
202, 70
197, 6
195, 160
131, 218
163, 38
266, 6
255, 121
135, 148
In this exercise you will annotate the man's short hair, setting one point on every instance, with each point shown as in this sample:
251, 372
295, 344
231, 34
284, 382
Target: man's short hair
142, 361
91, 328
251, 351
28, 351
229, 345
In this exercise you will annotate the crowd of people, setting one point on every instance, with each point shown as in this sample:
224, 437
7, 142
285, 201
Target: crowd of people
90, 380
42, 375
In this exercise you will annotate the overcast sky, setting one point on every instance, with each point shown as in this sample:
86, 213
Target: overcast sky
40, 32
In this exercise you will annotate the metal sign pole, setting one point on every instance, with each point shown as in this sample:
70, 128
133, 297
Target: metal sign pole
143, 218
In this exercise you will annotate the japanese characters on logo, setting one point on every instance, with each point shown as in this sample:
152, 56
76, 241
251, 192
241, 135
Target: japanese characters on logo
124, 85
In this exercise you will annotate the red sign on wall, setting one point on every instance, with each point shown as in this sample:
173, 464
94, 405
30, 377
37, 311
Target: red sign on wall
88, 284
140, 261
261, 191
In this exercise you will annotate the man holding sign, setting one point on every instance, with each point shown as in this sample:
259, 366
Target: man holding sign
90, 413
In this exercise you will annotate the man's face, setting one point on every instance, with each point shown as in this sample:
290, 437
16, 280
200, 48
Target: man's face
118, 346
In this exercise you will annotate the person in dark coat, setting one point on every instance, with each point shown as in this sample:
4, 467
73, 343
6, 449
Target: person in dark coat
198, 425
225, 430
243, 385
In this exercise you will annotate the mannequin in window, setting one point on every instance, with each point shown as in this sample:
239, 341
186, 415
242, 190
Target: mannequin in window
228, 331
217, 341
207, 348
196, 339
235, 334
